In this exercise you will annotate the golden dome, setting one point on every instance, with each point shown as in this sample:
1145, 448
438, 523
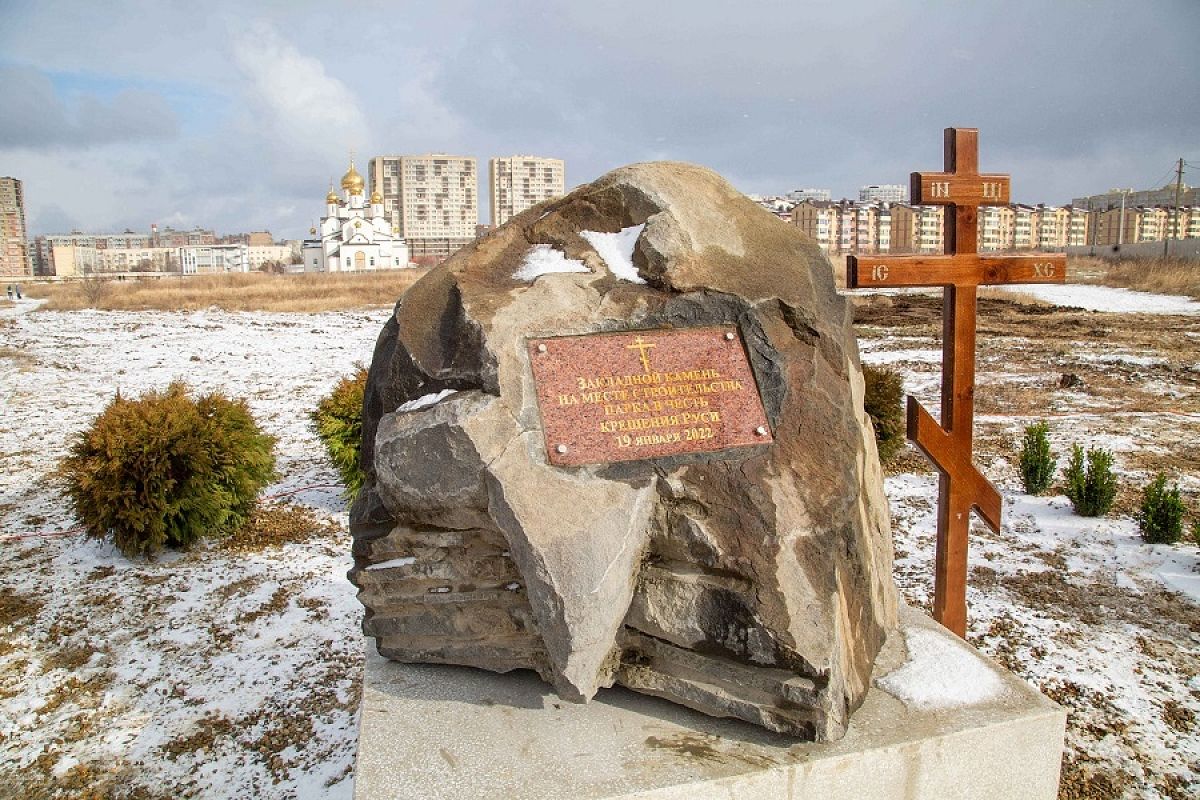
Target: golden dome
376, 198
332, 196
352, 181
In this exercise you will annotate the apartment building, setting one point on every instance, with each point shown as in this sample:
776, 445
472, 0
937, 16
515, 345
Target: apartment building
517, 183
1130, 225
916, 229
258, 255
169, 237
135, 259
931, 229
883, 193
70, 261
1078, 227
429, 200
800, 195
14, 248
1115, 198
73, 260
201, 259
872, 228
996, 226
820, 219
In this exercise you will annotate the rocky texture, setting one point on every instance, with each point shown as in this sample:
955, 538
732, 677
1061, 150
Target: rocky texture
753, 582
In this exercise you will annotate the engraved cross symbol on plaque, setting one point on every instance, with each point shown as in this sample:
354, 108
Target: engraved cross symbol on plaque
641, 345
960, 271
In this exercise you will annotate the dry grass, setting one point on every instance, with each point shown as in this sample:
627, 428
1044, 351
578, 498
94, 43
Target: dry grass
308, 292
1158, 275
276, 524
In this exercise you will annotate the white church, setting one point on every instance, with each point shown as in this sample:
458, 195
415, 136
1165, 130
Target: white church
355, 235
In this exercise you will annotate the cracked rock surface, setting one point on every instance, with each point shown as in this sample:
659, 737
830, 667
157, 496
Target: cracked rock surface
754, 582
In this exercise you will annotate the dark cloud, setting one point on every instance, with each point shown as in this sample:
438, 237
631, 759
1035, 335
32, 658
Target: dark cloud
51, 217
1070, 98
37, 117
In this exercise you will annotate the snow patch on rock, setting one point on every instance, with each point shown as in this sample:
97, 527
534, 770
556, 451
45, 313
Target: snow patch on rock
425, 401
543, 259
617, 251
395, 562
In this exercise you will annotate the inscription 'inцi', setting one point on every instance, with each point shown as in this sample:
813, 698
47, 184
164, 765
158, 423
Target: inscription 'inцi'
695, 392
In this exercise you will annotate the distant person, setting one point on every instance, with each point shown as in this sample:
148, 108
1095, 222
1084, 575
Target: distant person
19, 292
10, 291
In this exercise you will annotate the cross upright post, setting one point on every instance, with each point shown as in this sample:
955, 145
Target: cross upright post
960, 271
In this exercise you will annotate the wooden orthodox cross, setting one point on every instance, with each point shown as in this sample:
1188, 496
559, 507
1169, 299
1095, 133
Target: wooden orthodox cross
962, 189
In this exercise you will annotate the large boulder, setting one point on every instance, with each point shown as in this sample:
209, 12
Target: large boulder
752, 582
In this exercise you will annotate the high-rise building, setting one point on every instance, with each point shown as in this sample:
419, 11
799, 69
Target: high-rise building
430, 200
883, 193
14, 249
520, 182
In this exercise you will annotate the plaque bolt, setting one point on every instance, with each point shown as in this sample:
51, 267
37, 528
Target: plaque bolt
560, 449
760, 431
729, 336
541, 348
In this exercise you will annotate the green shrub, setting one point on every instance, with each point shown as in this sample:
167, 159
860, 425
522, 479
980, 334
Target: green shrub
1160, 517
881, 401
1196, 530
1037, 462
1091, 484
166, 469
338, 421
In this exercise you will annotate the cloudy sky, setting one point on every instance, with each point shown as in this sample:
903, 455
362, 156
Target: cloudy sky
235, 115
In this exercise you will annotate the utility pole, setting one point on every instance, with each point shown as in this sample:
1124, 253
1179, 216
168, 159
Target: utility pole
1175, 216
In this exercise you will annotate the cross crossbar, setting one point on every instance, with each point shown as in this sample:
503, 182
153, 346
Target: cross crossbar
961, 487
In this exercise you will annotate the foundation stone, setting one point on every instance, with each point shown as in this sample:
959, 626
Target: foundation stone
557, 481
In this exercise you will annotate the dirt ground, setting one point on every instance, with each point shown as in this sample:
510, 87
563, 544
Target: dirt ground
1057, 610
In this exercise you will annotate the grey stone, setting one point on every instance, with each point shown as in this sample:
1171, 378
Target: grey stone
753, 583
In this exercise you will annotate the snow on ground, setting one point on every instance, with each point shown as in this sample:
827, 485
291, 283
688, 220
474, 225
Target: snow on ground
226, 675
1106, 298
206, 674
1101, 622
1089, 298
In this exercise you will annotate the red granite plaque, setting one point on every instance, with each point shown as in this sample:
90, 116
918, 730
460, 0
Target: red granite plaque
645, 394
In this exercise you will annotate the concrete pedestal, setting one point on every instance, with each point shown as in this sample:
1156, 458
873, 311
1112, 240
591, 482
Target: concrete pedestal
453, 732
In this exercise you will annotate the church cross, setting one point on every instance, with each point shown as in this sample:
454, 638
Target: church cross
960, 272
